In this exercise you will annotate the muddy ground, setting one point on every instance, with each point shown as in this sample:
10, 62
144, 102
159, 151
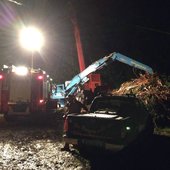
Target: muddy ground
28, 144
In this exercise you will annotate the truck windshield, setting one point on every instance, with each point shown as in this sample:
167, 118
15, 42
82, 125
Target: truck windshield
115, 105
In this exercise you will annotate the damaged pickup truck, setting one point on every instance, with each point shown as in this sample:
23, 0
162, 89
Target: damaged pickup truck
113, 122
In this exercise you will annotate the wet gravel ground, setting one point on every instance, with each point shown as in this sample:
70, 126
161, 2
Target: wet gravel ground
36, 145
31, 146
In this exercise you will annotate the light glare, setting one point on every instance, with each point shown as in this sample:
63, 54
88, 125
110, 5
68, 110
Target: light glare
21, 70
40, 77
41, 100
1, 77
128, 128
31, 39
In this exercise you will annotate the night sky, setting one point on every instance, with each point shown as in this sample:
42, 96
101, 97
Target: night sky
138, 29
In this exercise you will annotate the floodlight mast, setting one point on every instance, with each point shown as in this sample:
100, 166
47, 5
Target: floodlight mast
31, 39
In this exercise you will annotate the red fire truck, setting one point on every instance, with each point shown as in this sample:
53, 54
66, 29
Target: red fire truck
25, 91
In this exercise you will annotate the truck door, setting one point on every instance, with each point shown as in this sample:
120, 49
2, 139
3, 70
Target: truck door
37, 92
19, 93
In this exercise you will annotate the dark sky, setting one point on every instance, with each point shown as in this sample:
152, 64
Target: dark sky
139, 29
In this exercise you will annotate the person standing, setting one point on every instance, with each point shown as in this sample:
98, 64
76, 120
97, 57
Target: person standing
73, 106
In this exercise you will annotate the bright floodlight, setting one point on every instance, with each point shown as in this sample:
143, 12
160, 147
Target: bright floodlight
21, 70
31, 39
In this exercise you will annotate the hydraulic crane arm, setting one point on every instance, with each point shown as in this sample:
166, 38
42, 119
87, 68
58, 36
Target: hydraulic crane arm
82, 78
127, 60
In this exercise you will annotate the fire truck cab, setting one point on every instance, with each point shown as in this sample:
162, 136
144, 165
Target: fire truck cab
25, 91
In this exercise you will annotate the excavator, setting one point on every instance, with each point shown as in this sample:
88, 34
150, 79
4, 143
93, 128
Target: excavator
88, 78
82, 77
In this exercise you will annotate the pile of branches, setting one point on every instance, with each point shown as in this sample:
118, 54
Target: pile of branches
152, 90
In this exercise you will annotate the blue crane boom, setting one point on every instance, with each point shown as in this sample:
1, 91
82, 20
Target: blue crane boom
82, 78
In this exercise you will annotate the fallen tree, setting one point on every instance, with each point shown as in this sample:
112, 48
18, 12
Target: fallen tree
154, 92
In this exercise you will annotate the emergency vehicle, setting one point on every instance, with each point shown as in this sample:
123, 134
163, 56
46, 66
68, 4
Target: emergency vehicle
25, 91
